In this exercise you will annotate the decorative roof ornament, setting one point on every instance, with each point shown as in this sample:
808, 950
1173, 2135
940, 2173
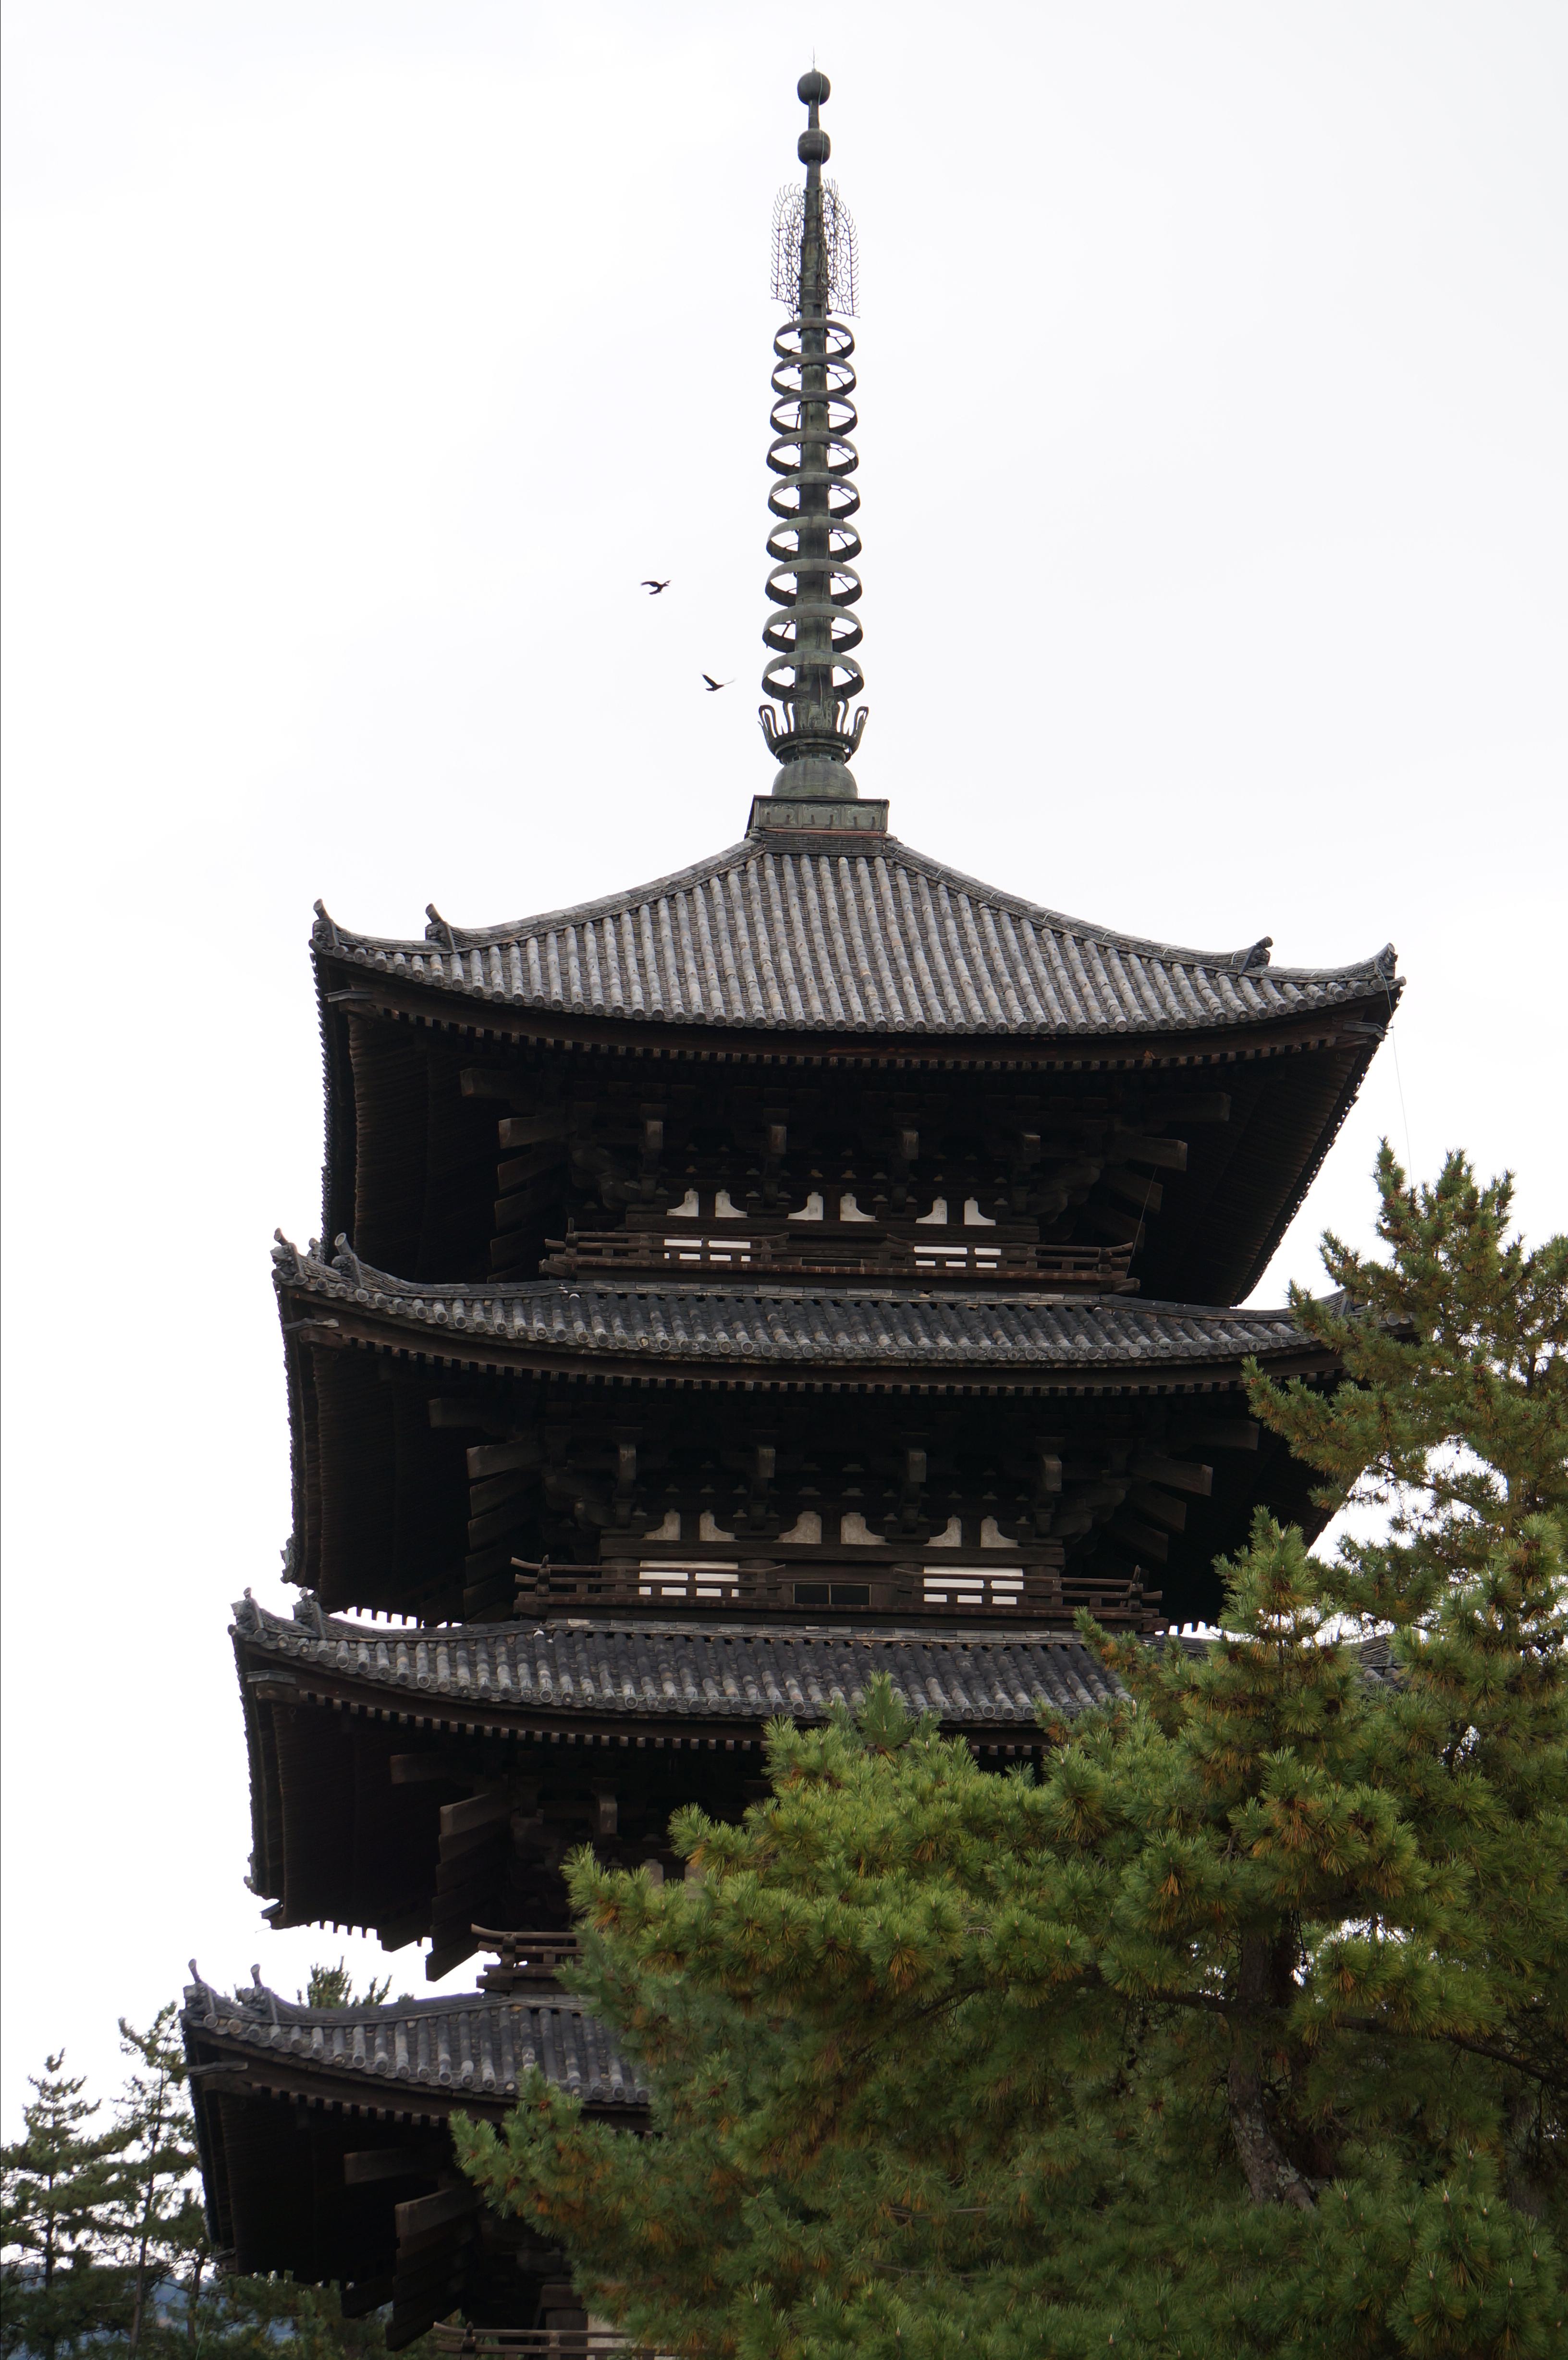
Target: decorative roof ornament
811, 672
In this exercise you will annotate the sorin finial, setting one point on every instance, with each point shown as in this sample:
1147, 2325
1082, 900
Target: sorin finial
810, 669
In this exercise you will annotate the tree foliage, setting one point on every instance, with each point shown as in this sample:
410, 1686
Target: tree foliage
1240, 2027
59, 2178
105, 2241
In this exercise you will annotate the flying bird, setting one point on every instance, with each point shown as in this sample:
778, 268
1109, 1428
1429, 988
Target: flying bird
714, 684
653, 589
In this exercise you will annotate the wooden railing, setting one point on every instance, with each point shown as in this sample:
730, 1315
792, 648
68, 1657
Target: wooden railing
815, 1250
1020, 1592
524, 1961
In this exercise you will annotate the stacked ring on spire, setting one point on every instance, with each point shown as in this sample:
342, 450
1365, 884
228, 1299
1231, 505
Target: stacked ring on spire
814, 459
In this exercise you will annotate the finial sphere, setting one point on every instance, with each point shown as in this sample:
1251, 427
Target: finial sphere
813, 147
813, 87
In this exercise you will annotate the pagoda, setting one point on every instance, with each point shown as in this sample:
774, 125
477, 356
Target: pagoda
813, 1264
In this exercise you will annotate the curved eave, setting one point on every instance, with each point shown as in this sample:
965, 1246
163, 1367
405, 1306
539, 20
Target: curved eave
876, 940
1358, 1017
1164, 1347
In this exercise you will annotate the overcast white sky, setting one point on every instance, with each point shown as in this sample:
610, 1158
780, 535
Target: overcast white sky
360, 360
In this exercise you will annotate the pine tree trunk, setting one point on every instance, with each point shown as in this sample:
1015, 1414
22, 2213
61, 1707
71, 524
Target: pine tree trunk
1272, 2176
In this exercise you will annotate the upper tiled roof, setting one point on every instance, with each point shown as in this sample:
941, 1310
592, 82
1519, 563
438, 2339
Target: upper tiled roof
666, 1322
470, 2043
641, 1667
870, 938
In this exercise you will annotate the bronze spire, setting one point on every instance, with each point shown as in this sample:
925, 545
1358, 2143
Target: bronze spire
811, 672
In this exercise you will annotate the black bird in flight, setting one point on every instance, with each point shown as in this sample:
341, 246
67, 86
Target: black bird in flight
714, 684
653, 589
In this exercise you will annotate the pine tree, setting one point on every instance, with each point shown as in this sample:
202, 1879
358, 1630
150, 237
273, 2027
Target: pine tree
58, 2183
106, 2242
155, 2219
333, 1987
1241, 2029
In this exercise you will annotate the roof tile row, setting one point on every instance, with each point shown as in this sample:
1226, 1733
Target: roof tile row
642, 1669
820, 1325
468, 2043
863, 940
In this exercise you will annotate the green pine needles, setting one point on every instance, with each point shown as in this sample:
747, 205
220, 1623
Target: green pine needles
1241, 2029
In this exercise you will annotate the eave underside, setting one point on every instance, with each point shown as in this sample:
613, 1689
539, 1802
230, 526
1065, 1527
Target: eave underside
413, 1156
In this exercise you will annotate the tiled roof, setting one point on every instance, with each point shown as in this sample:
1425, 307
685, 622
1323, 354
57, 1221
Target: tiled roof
872, 938
471, 2043
665, 1322
641, 1668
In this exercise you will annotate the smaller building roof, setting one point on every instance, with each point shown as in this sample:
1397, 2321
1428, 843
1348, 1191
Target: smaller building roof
469, 2045
659, 1324
865, 936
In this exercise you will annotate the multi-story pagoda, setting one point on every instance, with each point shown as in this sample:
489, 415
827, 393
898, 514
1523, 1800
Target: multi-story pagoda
812, 1263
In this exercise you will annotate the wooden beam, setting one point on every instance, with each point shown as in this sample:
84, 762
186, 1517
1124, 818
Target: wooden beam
498, 1457
1170, 1154
530, 1130
519, 1169
479, 1812
1165, 1510
494, 1492
1176, 1474
1223, 1433
421, 2213
485, 1082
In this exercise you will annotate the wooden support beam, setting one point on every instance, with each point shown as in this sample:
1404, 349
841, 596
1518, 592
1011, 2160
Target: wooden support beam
1135, 1147
479, 1812
520, 1169
1223, 1433
485, 1082
424, 2213
1163, 1506
499, 1457
493, 1492
530, 1130
1142, 1539
1176, 1474
496, 1523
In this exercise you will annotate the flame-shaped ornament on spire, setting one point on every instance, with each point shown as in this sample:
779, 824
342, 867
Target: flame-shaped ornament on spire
811, 672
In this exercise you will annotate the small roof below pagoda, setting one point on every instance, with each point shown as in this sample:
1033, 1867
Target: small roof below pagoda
857, 933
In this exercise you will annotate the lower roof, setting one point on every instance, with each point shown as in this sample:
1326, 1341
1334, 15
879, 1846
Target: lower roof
519, 1676
656, 1329
458, 2050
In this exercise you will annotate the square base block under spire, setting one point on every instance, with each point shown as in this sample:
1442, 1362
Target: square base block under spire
773, 816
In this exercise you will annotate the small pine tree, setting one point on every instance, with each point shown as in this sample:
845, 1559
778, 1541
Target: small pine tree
333, 1987
156, 2222
59, 2179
